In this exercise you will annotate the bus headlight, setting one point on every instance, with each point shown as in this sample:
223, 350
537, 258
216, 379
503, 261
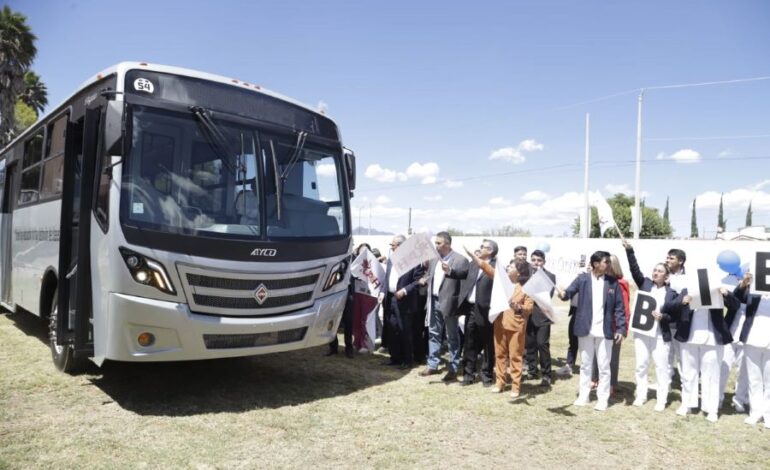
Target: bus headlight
336, 275
147, 271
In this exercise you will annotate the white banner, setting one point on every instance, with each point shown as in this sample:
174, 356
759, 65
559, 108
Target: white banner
415, 250
367, 268
539, 288
371, 328
642, 321
606, 219
502, 291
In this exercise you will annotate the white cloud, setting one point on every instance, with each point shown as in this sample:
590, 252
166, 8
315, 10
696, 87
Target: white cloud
326, 170
517, 154
535, 196
383, 175
624, 188
735, 199
761, 185
681, 156
382, 200
436, 198
427, 173
725, 153
453, 184
499, 201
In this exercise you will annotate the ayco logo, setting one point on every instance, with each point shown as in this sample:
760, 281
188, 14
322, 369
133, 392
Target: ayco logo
264, 252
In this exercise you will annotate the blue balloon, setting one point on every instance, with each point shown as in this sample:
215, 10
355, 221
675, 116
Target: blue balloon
729, 262
544, 247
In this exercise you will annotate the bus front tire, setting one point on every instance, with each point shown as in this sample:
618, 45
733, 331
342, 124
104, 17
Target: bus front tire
63, 355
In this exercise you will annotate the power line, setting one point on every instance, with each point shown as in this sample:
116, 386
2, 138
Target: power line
721, 137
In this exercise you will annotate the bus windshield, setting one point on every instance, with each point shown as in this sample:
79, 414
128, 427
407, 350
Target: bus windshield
187, 173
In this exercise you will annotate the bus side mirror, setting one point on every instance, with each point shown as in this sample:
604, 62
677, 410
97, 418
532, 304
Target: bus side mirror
350, 168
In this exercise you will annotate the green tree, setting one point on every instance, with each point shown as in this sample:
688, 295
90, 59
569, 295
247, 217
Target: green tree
17, 50
748, 216
693, 222
721, 222
24, 116
653, 225
665, 212
454, 231
35, 94
507, 231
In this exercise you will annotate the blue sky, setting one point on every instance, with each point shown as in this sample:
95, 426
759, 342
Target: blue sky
473, 114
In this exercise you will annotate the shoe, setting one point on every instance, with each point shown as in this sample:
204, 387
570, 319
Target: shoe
530, 377
383, 350
546, 382
660, 405
683, 410
639, 402
580, 402
564, 371
739, 407
465, 383
497, 389
514, 394
331, 353
601, 405
449, 377
487, 383
712, 417
349, 353
428, 371
751, 420
404, 366
363, 351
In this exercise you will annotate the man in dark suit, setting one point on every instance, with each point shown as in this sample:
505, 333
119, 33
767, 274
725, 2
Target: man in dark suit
444, 291
400, 304
475, 296
600, 302
539, 331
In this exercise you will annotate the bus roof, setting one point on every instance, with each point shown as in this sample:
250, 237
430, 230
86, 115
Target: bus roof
120, 69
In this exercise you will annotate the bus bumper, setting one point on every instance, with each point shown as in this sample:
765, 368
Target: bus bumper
179, 334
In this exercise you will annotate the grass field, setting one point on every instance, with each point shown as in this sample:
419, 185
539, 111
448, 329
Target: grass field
303, 410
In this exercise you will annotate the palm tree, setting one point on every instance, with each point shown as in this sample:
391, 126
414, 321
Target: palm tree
17, 50
35, 94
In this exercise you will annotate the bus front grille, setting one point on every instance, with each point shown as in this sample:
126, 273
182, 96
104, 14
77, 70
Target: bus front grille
230, 293
254, 339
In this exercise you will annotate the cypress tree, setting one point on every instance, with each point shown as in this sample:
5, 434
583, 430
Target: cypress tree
693, 222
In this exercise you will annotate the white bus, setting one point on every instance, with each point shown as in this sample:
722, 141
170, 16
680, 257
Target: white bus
165, 214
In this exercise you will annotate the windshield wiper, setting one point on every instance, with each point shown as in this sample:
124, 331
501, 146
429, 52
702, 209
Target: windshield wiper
301, 137
278, 181
215, 137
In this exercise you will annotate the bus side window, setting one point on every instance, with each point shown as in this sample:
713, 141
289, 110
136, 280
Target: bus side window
53, 167
29, 190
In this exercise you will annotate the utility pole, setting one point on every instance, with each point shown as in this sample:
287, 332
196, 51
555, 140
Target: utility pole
370, 218
587, 206
409, 229
637, 210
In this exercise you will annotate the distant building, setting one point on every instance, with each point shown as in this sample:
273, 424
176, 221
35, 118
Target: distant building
754, 233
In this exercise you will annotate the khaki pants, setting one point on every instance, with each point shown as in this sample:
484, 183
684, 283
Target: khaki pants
510, 336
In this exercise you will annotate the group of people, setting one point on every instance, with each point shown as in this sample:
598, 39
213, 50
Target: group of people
422, 309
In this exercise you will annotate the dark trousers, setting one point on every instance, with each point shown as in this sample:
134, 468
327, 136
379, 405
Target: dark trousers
419, 333
479, 336
347, 328
400, 337
573, 341
538, 346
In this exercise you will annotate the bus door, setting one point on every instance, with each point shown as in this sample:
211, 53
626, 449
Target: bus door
74, 329
6, 230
